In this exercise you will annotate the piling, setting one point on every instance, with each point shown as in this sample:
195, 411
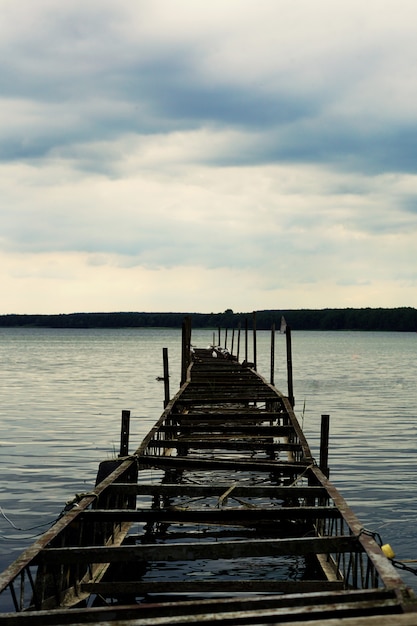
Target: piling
272, 377
124, 434
166, 376
289, 366
254, 342
324, 444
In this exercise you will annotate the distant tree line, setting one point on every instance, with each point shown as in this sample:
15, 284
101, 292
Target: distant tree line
402, 319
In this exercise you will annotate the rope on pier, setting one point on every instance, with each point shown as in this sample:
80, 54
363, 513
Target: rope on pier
300, 476
24, 530
76, 499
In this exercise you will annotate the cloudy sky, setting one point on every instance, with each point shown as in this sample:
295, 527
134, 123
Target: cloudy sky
184, 155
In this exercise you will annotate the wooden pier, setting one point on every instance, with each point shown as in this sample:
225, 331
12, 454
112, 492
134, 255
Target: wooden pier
221, 514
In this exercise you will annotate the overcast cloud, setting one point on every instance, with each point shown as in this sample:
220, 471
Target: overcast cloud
178, 155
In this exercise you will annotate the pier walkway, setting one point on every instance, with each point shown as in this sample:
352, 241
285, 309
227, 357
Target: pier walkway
221, 514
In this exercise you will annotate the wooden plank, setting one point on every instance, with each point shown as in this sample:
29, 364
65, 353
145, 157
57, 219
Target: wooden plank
230, 421
221, 443
229, 429
255, 611
235, 415
229, 515
216, 490
218, 399
200, 550
211, 586
254, 465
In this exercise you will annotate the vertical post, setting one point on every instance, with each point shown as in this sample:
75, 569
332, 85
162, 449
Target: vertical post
166, 375
186, 347
289, 367
183, 354
225, 338
246, 340
124, 434
219, 343
324, 445
238, 340
233, 341
273, 354
254, 340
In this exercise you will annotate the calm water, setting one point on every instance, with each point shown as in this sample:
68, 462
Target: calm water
62, 393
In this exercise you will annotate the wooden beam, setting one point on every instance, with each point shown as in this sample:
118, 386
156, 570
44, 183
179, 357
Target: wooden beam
200, 550
230, 515
241, 491
211, 586
229, 429
233, 443
254, 465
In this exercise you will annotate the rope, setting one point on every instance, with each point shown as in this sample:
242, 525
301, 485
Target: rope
302, 474
74, 502
24, 530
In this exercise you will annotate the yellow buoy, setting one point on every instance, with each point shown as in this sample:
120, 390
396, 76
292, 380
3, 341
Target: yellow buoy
388, 551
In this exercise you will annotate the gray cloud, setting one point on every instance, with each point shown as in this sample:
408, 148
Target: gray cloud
277, 140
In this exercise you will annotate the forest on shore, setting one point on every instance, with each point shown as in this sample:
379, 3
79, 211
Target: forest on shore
402, 319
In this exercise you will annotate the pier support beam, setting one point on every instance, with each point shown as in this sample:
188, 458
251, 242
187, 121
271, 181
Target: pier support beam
186, 348
166, 376
289, 367
324, 445
254, 342
124, 434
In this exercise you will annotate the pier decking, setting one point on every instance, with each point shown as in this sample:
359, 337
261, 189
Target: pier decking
221, 514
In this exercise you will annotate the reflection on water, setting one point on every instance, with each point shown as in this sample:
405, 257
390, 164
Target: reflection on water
62, 393
278, 568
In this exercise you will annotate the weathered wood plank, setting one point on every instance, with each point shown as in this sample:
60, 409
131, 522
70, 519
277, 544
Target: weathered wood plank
234, 443
201, 550
217, 611
249, 610
229, 515
227, 429
241, 491
210, 586
253, 465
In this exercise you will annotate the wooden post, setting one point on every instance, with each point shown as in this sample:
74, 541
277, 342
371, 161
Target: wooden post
289, 367
186, 347
324, 445
246, 339
124, 434
254, 340
166, 375
233, 341
219, 343
225, 338
183, 355
238, 340
273, 354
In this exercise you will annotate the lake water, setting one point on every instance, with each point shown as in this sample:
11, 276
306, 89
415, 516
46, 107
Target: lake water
62, 393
